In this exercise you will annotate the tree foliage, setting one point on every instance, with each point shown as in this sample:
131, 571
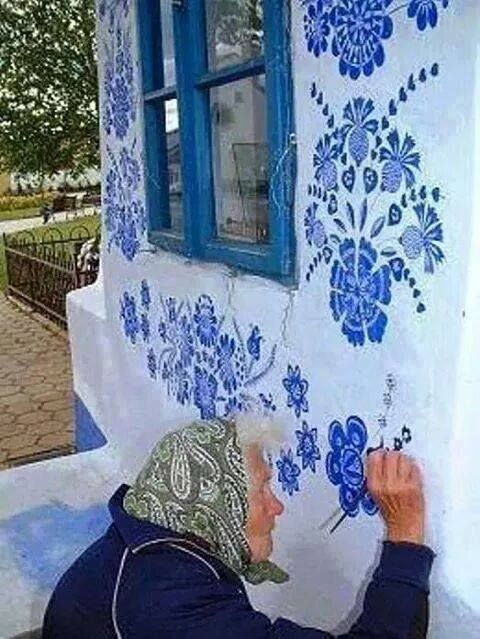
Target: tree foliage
48, 86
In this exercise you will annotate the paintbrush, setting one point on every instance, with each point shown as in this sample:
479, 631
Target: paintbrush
361, 495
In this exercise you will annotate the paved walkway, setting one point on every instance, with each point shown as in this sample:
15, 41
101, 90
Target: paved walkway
36, 419
11, 226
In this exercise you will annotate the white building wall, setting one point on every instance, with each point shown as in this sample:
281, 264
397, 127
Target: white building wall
412, 376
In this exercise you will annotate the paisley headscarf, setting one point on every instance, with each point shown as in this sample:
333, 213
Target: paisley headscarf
195, 482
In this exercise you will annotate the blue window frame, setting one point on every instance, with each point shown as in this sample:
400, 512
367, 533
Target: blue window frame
198, 170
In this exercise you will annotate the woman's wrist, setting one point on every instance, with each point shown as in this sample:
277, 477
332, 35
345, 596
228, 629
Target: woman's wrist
413, 534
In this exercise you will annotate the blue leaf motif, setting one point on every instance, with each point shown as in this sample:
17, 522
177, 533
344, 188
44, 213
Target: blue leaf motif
396, 266
348, 178
388, 252
370, 180
351, 214
377, 226
340, 224
394, 215
363, 214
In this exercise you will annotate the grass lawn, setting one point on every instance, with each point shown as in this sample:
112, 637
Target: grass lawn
90, 222
18, 215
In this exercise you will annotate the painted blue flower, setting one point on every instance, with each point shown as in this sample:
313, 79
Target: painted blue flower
232, 407
425, 238
162, 330
344, 465
206, 321
267, 402
110, 6
183, 385
296, 388
129, 243
358, 291
184, 338
315, 233
145, 295
317, 27
129, 170
307, 447
426, 12
152, 363
326, 153
124, 213
360, 26
359, 124
205, 393
225, 362
128, 313
399, 161
145, 327
288, 472
171, 307
253, 343
118, 107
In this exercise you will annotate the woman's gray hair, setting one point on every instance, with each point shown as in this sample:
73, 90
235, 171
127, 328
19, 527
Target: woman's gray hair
255, 427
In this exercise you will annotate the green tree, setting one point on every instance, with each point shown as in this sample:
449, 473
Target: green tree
48, 86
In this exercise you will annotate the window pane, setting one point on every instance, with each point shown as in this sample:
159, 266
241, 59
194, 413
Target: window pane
174, 170
234, 31
169, 78
240, 160
169, 173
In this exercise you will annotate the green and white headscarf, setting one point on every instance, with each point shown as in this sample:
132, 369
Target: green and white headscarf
195, 482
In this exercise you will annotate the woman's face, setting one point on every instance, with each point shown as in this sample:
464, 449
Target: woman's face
263, 506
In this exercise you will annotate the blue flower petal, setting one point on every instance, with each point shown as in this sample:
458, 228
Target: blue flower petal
357, 433
336, 436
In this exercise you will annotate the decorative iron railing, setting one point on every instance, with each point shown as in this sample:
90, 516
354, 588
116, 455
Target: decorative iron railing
41, 271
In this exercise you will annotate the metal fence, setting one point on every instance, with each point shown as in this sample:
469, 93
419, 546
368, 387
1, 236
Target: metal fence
41, 271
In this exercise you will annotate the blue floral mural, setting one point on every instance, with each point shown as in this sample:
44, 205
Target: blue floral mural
356, 31
345, 467
371, 221
123, 206
307, 448
124, 211
201, 356
118, 111
296, 388
288, 472
108, 8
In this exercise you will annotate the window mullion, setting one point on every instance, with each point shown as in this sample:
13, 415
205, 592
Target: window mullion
191, 56
280, 126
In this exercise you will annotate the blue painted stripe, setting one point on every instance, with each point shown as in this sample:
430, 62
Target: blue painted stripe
88, 435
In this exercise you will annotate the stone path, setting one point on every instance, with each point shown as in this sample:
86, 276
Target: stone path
36, 418
12, 226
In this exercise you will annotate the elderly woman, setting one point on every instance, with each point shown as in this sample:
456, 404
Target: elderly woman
199, 517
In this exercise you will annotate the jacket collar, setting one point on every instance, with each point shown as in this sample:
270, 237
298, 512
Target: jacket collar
138, 532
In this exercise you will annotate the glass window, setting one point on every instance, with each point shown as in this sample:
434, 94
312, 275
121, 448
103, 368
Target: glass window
234, 32
220, 165
240, 160
168, 52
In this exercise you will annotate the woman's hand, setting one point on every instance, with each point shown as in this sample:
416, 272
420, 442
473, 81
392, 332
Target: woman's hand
395, 483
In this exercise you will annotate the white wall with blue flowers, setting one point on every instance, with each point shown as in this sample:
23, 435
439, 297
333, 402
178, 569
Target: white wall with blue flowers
369, 347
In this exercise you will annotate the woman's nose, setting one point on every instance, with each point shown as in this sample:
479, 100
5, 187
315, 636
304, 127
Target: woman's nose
278, 507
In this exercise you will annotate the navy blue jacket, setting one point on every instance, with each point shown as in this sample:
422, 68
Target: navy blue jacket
141, 581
